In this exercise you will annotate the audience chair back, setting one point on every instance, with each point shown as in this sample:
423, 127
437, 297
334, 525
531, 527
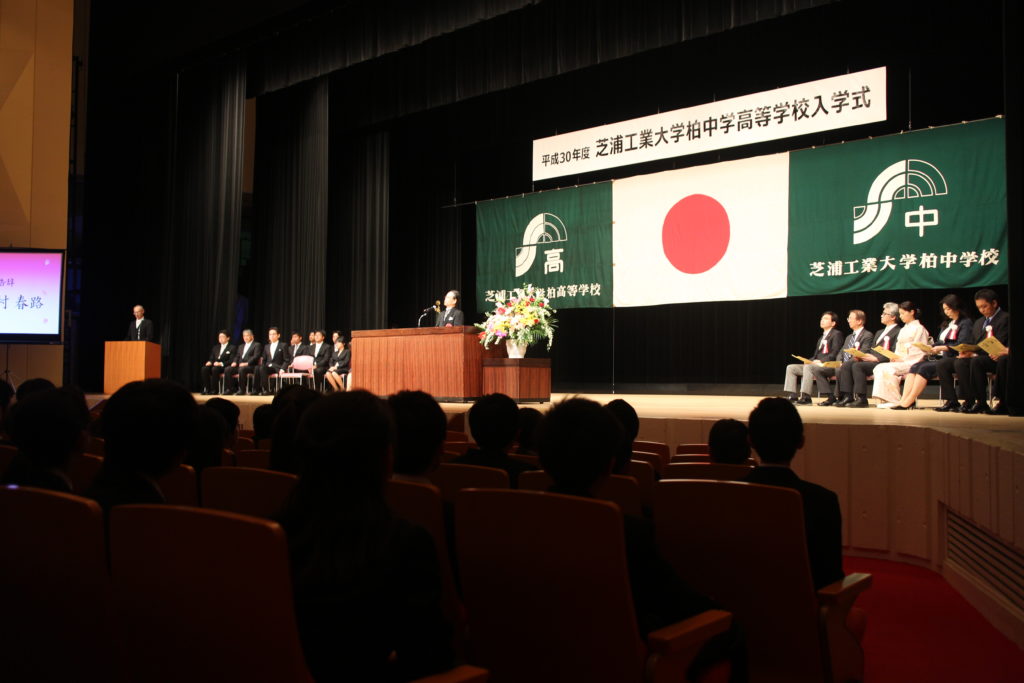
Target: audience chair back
54, 588
253, 457
456, 436
179, 486
709, 470
643, 472
205, 596
96, 446
83, 469
244, 443
619, 489
527, 458
692, 449
529, 564
656, 447
451, 478
652, 459
692, 457
7, 455
246, 490
761, 574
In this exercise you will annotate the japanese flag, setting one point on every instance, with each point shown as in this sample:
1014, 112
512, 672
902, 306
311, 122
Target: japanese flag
707, 233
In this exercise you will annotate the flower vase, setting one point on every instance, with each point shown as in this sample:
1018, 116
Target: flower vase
515, 350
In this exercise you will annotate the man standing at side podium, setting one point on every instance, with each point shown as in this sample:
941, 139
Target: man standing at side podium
140, 329
452, 316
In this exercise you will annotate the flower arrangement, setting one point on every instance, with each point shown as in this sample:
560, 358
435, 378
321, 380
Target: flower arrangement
526, 317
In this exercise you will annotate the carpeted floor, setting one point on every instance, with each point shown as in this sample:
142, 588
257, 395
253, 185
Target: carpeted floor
920, 629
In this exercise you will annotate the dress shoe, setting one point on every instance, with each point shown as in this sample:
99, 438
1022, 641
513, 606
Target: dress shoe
912, 406
844, 401
948, 407
804, 400
978, 408
1000, 409
965, 407
858, 402
793, 398
830, 401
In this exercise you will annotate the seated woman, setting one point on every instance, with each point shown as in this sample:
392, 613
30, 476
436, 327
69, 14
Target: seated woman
887, 375
367, 585
957, 327
339, 364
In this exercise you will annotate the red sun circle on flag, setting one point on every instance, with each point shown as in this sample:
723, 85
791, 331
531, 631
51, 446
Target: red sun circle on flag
695, 234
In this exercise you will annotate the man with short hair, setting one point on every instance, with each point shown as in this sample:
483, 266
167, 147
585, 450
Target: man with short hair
451, 316
295, 348
243, 364
420, 429
853, 375
776, 434
321, 352
859, 339
972, 368
140, 329
492, 422
274, 360
220, 357
828, 347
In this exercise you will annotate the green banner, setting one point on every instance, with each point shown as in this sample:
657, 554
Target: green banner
559, 240
922, 210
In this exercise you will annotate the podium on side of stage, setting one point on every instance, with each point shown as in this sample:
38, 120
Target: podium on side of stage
129, 361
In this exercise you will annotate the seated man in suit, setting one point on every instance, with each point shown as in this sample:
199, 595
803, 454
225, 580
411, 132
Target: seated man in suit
859, 339
243, 364
274, 360
296, 348
973, 368
852, 378
777, 433
492, 422
451, 316
220, 357
321, 352
48, 427
828, 347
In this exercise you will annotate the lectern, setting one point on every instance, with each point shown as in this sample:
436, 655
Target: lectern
129, 361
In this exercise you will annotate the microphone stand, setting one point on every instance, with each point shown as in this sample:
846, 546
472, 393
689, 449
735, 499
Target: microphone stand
419, 323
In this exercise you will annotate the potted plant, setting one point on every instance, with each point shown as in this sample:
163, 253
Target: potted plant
525, 318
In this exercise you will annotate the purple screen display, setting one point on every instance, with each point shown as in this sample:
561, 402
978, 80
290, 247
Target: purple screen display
30, 292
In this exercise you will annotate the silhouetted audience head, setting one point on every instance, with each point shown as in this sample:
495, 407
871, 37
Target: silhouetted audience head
577, 443
492, 422
230, 412
209, 439
147, 426
6, 394
263, 422
420, 427
283, 453
727, 442
526, 430
630, 421
47, 427
776, 431
30, 386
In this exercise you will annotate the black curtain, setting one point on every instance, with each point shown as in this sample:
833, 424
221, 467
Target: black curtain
199, 258
290, 192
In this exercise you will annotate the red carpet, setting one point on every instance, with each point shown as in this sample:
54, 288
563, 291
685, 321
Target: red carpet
920, 629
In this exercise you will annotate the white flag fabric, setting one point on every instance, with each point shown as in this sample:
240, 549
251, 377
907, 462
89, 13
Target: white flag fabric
706, 233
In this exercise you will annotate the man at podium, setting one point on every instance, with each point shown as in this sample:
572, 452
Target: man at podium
451, 316
140, 329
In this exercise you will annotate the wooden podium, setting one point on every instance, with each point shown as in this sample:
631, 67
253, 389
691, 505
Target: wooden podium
445, 362
128, 361
526, 380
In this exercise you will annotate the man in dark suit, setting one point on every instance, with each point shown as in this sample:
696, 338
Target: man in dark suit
220, 357
275, 359
828, 348
972, 368
853, 375
451, 316
493, 420
295, 348
140, 329
321, 352
777, 433
243, 364
859, 338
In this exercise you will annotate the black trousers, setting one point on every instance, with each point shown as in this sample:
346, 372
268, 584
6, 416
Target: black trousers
211, 376
853, 376
973, 376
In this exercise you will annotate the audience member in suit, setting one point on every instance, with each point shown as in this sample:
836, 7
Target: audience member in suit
630, 423
263, 422
367, 585
579, 441
451, 316
339, 364
859, 339
321, 352
827, 349
209, 439
274, 359
48, 427
973, 368
420, 429
492, 422
140, 329
244, 364
957, 327
776, 434
230, 412
290, 403
296, 348
886, 387
220, 357
728, 443
146, 427
853, 374
527, 422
